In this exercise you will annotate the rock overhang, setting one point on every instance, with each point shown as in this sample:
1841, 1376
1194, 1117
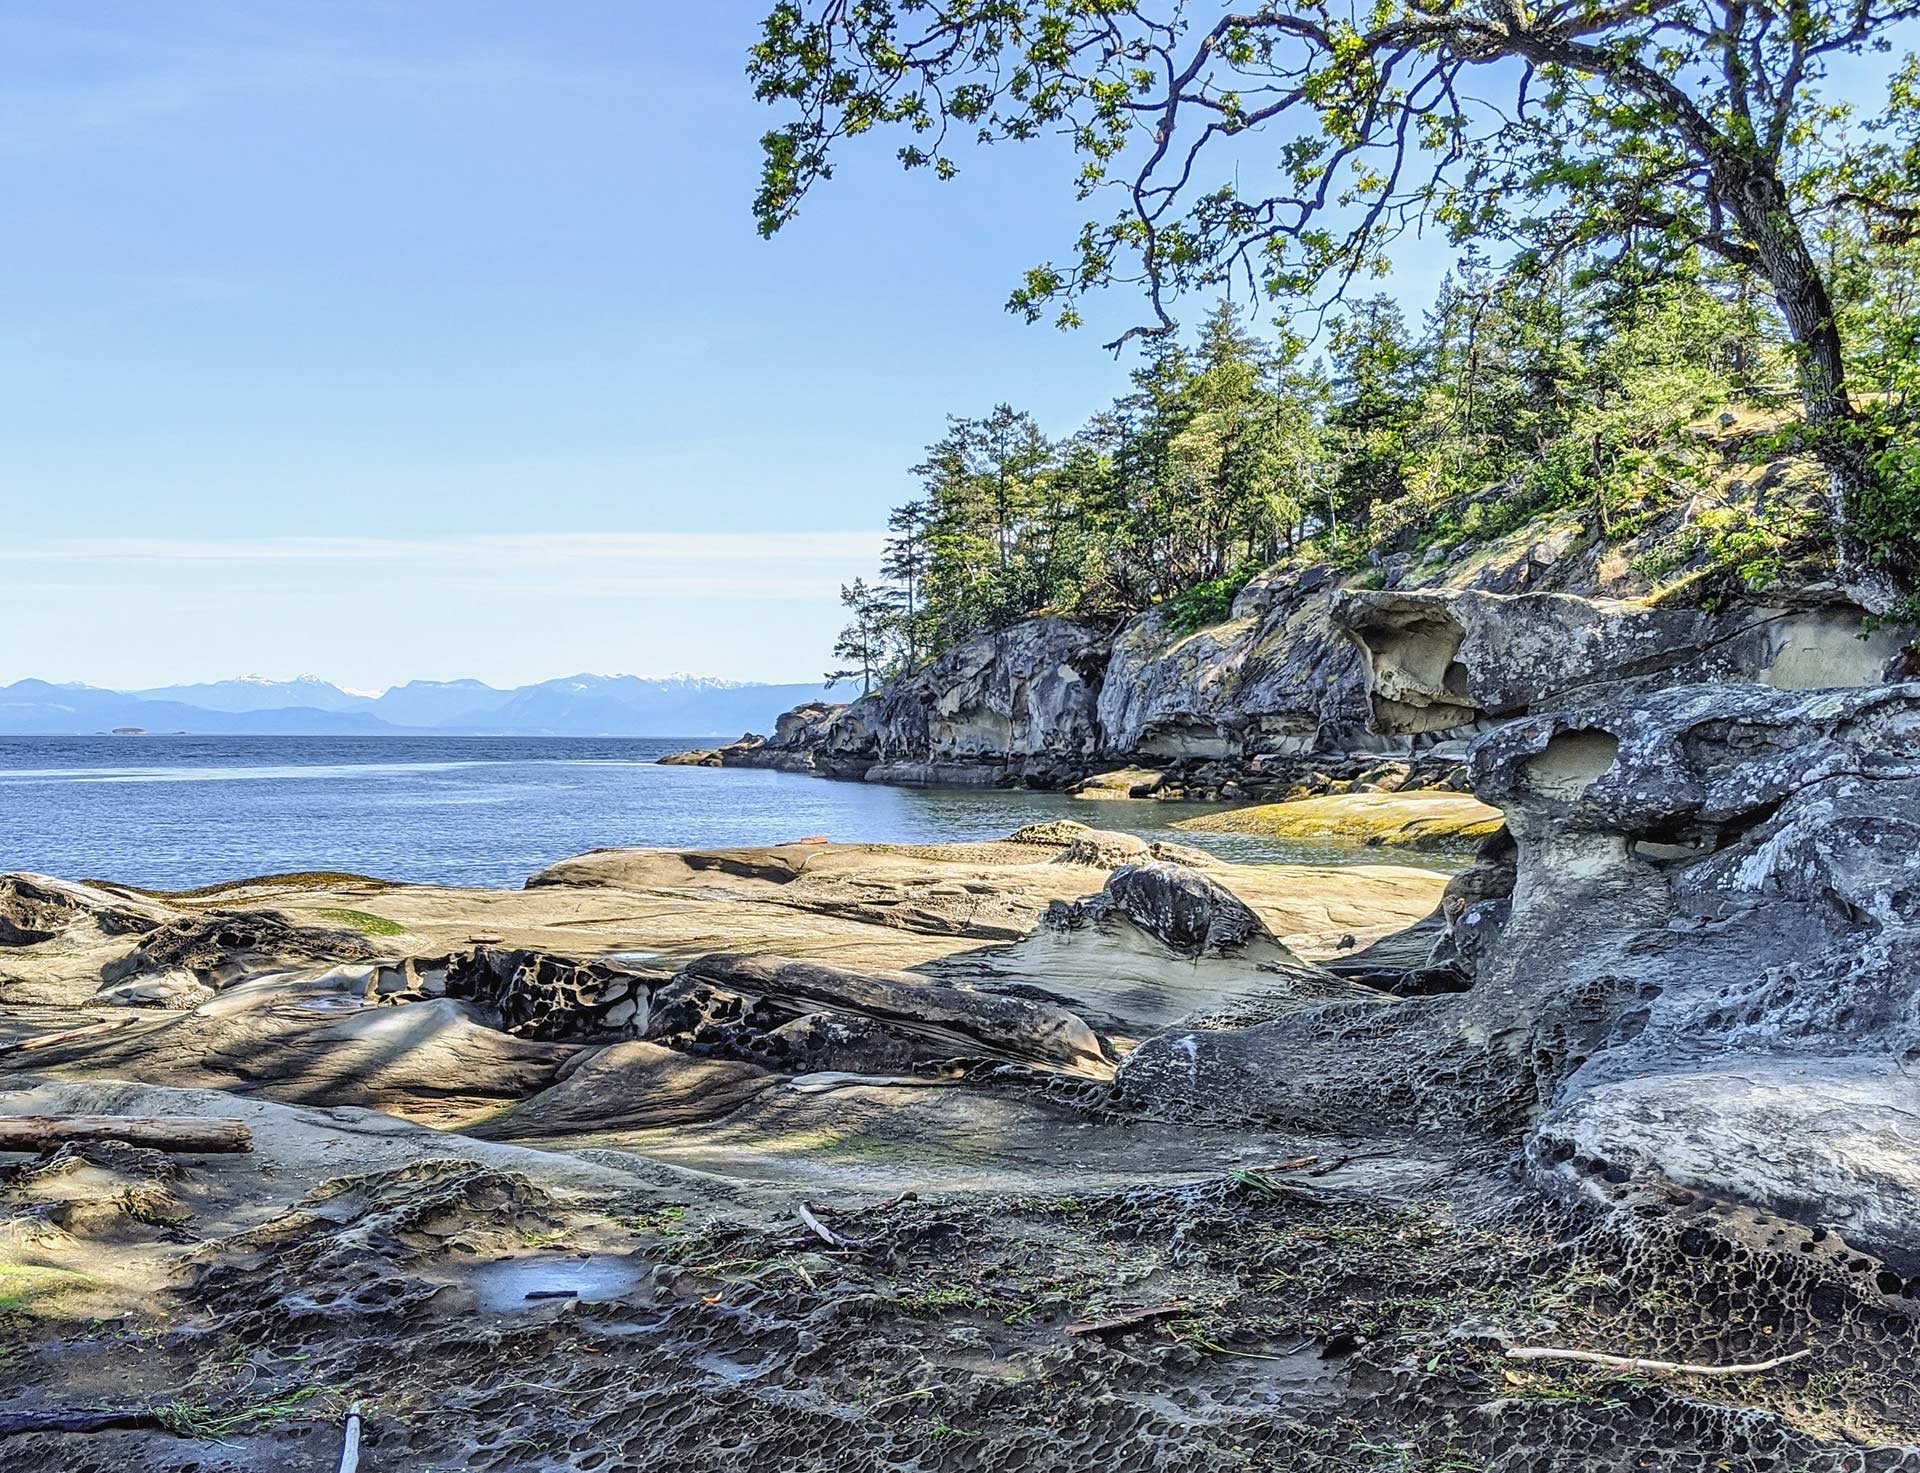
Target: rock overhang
1452, 660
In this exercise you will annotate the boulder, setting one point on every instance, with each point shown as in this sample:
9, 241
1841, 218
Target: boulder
1184, 910
1159, 943
1121, 782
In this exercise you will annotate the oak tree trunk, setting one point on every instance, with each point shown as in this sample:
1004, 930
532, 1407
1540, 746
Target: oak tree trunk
1759, 204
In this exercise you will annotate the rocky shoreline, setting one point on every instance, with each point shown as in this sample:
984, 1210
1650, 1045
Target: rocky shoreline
1069, 1148
1319, 683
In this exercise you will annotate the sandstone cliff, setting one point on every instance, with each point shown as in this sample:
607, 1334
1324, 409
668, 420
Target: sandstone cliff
1319, 671
1019, 704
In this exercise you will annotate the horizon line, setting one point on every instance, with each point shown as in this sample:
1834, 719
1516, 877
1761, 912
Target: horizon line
361, 693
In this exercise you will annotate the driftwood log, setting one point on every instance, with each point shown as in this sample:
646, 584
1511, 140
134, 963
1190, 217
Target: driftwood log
350, 1445
1659, 1367
1127, 1318
13, 1424
828, 1236
194, 1136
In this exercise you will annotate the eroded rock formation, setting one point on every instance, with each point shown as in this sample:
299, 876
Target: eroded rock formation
1454, 660
1702, 974
1312, 678
37, 908
804, 1017
1017, 705
1275, 678
221, 947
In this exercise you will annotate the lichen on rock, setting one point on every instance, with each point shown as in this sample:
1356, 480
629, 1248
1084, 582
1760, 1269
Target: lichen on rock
1415, 820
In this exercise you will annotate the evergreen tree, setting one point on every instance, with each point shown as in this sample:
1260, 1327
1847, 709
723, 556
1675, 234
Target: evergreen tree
1375, 363
905, 562
1575, 382
864, 643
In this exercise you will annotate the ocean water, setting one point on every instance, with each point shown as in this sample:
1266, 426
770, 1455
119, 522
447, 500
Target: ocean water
171, 812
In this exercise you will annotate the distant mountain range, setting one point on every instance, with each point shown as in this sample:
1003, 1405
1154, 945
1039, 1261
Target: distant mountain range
576, 705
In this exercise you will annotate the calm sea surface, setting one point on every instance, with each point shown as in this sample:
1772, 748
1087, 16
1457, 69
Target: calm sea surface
177, 811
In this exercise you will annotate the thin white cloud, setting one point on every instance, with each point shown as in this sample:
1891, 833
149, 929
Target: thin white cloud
35, 120
509, 607
763, 567
623, 549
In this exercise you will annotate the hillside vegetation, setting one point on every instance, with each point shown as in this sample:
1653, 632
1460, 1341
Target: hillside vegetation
1650, 415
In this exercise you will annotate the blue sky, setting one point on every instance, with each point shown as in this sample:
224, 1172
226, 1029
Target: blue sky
426, 340
430, 340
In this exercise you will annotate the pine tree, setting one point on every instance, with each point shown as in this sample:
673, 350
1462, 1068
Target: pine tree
863, 643
905, 561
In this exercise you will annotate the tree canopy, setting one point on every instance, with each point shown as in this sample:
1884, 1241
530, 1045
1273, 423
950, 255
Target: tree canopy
1289, 147
1583, 395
